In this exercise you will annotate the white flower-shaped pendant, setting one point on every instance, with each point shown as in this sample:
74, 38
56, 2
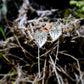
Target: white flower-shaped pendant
55, 32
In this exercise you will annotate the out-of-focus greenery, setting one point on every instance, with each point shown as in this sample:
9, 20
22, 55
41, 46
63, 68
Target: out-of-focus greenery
1, 55
13, 82
2, 31
78, 8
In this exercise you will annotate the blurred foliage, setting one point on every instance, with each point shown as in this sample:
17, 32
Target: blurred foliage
67, 12
77, 8
14, 72
2, 31
1, 55
13, 82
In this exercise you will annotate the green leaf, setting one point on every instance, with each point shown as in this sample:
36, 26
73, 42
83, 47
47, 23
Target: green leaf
2, 31
1, 55
73, 2
13, 82
14, 72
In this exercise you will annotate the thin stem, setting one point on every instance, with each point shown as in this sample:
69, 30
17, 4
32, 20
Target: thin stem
39, 62
57, 52
53, 64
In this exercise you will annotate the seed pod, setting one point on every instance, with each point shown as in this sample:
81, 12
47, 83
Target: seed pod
55, 32
40, 38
